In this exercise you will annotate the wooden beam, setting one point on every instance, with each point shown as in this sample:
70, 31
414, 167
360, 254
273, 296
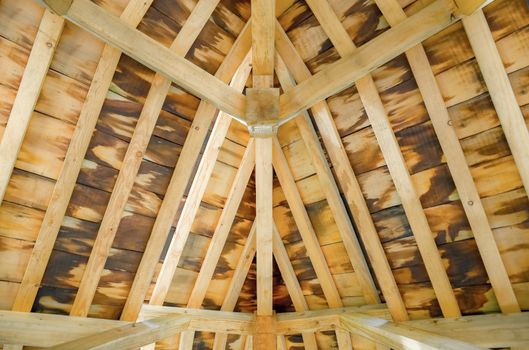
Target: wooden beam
314, 251
264, 334
293, 286
332, 194
344, 72
130, 336
206, 320
399, 337
39, 61
500, 90
220, 236
390, 148
263, 22
131, 163
348, 182
236, 283
179, 180
457, 164
152, 54
264, 223
79, 142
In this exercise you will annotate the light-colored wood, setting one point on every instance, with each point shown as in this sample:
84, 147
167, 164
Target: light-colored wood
132, 161
157, 57
264, 335
79, 142
179, 181
348, 182
457, 164
292, 283
468, 7
219, 236
501, 92
329, 187
281, 343
196, 193
263, 21
130, 336
236, 283
391, 151
39, 61
399, 337
344, 72
264, 223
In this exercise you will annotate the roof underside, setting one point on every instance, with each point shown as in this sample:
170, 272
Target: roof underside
463, 89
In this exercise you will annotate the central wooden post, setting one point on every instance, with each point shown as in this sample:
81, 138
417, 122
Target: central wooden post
265, 337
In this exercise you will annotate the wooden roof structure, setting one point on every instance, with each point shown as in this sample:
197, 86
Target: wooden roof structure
259, 174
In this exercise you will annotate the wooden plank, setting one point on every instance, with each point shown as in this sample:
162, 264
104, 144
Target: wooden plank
308, 134
292, 283
132, 161
263, 21
130, 336
39, 61
177, 185
399, 337
390, 149
264, 222
457, 163
501, 91
220, 235
348, 182
236, 283
151, 54
72, 164
341, 74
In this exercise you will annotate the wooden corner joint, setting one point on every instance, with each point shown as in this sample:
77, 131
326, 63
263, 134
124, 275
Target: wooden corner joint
468, 7
59, 7
262, 111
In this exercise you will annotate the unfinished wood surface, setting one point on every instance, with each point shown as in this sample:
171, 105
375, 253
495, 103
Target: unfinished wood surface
39, 61
292, 283
501, 91
399, 337
390, 149
459, 169
132, 161
263, 21
65, 184
344, 72
236, 283
155, 56
176, 188
264, 223
328, 185
348, 182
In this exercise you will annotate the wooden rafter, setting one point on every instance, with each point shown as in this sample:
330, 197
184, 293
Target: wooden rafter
501, 91
196, 192
222, 230
39, 61
348, 182
396, 165
306, 230
236, 283
131, 163
150, 53
178, 183
79, 142
457, 164
330, 189
293, 286
344, 72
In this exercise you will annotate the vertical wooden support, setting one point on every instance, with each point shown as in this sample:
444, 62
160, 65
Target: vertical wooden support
39, 61
264, 337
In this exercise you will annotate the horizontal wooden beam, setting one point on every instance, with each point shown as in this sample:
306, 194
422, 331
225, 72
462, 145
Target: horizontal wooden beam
130, 336
344, 72
150, 53
398, 336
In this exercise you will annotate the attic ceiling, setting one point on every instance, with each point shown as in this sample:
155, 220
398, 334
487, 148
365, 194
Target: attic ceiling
123, 175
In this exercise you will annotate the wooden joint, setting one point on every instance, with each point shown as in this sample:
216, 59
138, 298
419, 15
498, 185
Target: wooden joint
262, 110
468, 7
59, 7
